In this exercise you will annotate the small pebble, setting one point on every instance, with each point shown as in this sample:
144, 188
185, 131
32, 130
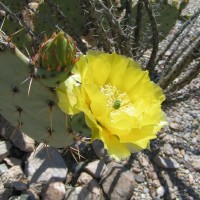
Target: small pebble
160, 191
139, 178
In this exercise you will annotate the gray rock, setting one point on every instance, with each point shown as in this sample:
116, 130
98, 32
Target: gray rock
96, 168
84, 179
161, 191
23, 142
77, 167
78, 193
156, 183
15, 173
174, 126
5, 193
11, 161
146, 190
25, 197
100, 151
94, 189
119, 182
153, 175
20, 186
19, 139
31, 194
35, 189
166, 162
2, 189
144, 162
15, 198
54, 191
139, 178
21, 197
168, 53
168, 149
44, 165
3, 168
196, 164
91, 184
5, 147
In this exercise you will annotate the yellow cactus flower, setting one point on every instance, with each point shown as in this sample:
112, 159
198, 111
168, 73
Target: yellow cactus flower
121, 105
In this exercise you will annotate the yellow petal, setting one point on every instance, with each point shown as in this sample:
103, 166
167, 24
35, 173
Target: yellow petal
98, 103
137, 134
119, 65
132, 79
99, 68
115, 149
153, 115
67, 98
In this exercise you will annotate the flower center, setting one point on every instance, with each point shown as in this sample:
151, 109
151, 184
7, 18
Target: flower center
117, 104
117, 100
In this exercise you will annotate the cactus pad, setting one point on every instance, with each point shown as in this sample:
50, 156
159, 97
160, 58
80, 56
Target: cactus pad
36, 114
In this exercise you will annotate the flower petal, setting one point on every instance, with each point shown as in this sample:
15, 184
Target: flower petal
66, 96
137, 134
100, 67
115, 148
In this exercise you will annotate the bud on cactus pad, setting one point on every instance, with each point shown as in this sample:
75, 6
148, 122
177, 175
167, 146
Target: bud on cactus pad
55, 59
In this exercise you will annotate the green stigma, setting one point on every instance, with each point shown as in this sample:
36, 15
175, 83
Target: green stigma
117, 104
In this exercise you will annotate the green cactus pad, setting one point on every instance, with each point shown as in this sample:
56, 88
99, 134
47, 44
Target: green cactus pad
47, 18
14, 29
166, 14
36, 114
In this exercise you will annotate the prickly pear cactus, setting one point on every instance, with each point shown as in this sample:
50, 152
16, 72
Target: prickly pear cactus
13, 28
166, 14
26, 103
55, 59
63, 14
45, 18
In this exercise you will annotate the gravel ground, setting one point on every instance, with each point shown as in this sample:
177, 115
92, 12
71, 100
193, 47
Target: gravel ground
170, 171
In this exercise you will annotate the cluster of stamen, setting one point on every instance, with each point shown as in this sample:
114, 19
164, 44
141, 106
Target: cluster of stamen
117, 101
